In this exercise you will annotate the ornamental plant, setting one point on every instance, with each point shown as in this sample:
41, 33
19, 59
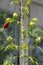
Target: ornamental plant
34, 33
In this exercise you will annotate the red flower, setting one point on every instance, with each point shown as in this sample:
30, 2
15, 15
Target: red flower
6, 24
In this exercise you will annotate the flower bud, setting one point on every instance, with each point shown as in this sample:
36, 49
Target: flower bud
24, 46
23, 31
8, 20
9, 39
15, 15
34, 20
6, 63
31, 24
38, 40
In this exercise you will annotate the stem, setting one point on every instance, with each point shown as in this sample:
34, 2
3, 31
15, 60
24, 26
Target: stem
21, 35
21, 30
21, 22
23, 58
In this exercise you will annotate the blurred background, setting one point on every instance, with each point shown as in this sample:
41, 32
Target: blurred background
6, 10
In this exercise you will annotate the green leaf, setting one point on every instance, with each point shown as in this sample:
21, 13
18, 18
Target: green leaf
39, 49
31, 59
38, 32
16, 2
36, 63
11, 46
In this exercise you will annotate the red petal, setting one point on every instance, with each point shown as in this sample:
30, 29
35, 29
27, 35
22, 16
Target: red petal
6, 24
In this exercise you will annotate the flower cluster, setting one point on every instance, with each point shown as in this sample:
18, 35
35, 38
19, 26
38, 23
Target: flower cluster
10, 20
